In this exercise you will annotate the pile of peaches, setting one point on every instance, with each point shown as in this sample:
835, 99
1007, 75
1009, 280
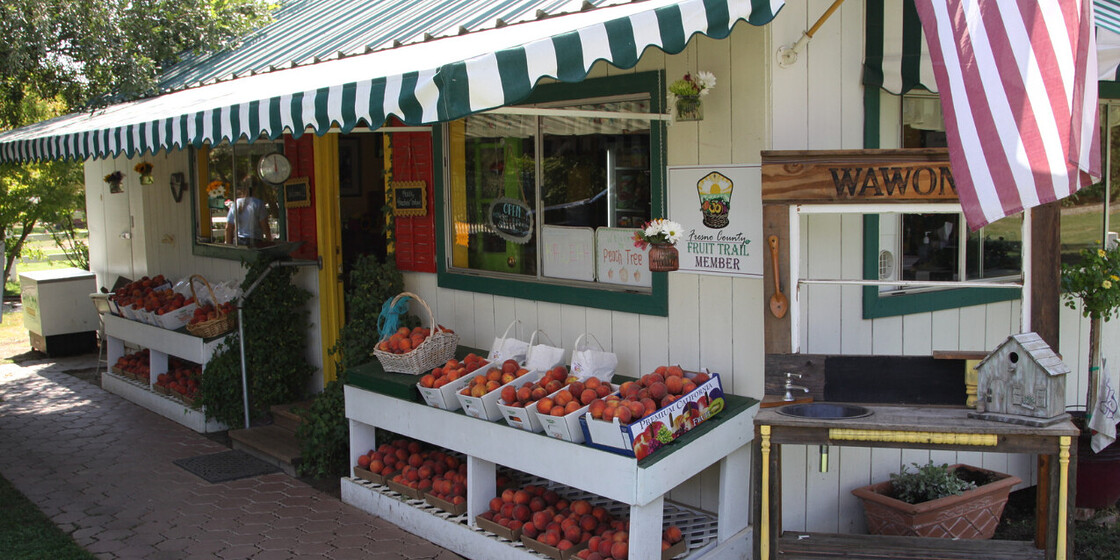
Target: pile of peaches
140, 294
415, 465
537, 391
182, 378
637, 399
209, 312
452, 370
137, 363
493, 378
548, 518
406, 340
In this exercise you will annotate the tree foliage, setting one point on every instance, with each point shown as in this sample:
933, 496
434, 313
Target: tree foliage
94, 52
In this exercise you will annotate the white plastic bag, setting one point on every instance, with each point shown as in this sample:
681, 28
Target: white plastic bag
542, 357
590, 362
507, 348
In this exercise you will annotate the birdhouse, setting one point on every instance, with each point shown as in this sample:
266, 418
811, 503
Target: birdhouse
1022, 382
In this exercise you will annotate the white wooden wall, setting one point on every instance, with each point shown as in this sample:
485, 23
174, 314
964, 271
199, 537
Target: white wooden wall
160, 232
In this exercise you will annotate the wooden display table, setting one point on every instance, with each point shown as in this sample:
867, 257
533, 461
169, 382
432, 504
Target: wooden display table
378, 400
914, 427
161, 343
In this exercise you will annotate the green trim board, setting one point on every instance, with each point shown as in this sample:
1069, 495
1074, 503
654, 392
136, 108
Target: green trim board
876, 305
654, 303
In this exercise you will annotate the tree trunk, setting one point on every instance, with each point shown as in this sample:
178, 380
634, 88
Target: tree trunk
11, 253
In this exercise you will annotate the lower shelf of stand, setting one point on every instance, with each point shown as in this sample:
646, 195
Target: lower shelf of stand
168, 407
458, 533
798, 546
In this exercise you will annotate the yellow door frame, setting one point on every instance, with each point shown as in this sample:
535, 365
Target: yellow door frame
328, 227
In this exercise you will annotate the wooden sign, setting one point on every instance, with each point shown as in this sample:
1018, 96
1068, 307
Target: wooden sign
410, 198
857, 176
297, 193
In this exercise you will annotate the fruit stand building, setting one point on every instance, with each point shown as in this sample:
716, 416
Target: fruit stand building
518, 146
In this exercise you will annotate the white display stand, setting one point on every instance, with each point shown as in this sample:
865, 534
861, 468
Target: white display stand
488, 444
161, 343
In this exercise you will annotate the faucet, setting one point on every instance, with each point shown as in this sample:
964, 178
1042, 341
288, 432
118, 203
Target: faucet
789, 387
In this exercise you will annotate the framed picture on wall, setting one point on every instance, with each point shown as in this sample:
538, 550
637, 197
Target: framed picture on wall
297, 193
349, 167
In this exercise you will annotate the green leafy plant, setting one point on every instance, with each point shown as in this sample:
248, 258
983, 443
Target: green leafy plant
929, 482
324, 433
275, 326
1094, 283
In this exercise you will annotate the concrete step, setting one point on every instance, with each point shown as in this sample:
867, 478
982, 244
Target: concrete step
272, 443
283, 415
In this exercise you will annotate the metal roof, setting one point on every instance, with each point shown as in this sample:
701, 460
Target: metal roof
310, 31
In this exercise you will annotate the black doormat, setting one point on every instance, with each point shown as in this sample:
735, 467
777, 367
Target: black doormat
226, 466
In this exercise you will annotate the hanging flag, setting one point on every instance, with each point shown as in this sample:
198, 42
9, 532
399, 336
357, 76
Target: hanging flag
1018, 83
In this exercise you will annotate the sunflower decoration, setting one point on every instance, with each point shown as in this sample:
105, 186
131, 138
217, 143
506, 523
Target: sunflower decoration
144, 168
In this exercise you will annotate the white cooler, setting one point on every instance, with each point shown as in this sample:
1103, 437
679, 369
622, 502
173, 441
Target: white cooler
57, 311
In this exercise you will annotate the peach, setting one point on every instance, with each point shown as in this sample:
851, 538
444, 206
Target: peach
674, 384
674, 370
563, 398
688, 387
541, 519
551, 538
510, 366
658, 390
596, 408
544, 406
564, 544
529, 530
522, 497
571, 407
538, 393
587, 395
650, 406
637, 409
592, 383
509, 394
609, 412
603, 390
493, 374
553, 386
620, 551
508, 494
557, 410
576, 387
623, 414
572, 533
521, 512
673, 534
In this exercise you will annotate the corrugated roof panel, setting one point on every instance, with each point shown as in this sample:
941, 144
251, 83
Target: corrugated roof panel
307, 31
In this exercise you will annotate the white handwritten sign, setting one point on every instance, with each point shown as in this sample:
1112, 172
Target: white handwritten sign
720, 212
618, 261
569, 252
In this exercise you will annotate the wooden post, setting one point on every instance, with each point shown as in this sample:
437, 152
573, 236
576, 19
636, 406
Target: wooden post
1046, 255
775, 221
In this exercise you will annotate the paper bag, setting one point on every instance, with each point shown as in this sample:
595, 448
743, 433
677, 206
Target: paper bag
542, 357
590, 362
508, 348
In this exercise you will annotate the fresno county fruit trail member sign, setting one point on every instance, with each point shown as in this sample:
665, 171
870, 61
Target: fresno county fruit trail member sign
720, 212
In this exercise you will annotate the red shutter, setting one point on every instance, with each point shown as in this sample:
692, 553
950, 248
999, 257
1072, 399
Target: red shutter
415, 236
301, 221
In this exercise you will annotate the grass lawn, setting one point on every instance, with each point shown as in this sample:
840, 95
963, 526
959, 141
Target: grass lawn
25, 533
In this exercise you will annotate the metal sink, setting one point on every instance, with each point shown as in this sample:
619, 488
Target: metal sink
824, 411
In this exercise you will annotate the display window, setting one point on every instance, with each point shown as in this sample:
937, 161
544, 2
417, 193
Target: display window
234, 207
535, 194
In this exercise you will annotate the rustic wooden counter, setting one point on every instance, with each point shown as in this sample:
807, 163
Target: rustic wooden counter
912, 427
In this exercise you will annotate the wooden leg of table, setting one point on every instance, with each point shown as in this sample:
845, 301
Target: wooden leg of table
1065, 540
645, 529
734, 484
481, 486
1042, 501
765, 532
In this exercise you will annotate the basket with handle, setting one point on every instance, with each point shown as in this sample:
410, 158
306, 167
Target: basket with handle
434, 351
222, 324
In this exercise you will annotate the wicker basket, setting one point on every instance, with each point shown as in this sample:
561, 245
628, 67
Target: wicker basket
213, 327
434, 351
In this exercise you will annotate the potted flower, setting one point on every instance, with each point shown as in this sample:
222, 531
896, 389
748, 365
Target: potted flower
660, 236
145, 170
687, 92
957, 501
1094, 283
216, 193
114, 179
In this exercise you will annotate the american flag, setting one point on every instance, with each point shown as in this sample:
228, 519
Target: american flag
1018, 80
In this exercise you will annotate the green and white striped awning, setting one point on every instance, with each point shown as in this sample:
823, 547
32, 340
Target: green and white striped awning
896, 58
423, 83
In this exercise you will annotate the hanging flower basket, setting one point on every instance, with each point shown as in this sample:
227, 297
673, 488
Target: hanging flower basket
687, 91
690, 108
114, 179
145, 170
663, 257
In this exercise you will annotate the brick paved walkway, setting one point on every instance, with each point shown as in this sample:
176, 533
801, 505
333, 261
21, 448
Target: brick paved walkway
101, 468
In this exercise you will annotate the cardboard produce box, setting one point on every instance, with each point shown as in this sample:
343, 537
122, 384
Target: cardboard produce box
445, 397
552, 551
176, 319
641, 438
504, 532
366, 474
403, 490
452, 508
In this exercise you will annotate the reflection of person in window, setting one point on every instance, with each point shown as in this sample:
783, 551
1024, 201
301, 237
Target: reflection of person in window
251, 218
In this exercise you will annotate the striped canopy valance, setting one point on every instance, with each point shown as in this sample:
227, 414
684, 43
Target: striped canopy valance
422, 83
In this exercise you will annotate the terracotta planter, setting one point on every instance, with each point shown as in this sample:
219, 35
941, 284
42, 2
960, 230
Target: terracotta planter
663, 257
972, 515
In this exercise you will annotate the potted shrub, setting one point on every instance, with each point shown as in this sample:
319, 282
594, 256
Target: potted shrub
957, 501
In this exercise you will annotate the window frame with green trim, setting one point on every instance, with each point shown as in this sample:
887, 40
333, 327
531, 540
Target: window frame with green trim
524, 159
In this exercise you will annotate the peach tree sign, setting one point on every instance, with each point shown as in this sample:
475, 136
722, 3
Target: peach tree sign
720, 210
